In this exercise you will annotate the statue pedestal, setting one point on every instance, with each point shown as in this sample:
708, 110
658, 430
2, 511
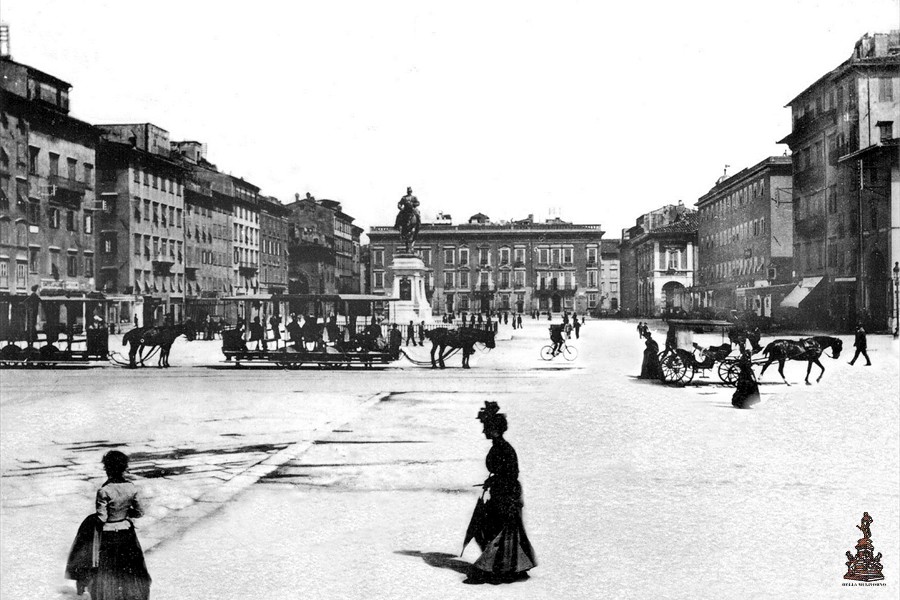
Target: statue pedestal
409, 287
864, 566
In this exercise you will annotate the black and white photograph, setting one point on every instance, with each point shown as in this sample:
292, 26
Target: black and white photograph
413, 299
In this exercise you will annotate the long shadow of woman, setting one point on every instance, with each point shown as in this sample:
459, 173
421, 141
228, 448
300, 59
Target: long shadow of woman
440, 560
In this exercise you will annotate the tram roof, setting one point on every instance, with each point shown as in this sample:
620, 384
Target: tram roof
308, 297
691, 323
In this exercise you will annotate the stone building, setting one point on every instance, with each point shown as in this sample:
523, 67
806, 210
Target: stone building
346, 250
846, 189
207, 231
745, 236
273, 245
607, 300
311, 265
658, 256
245, 225
482, 266
48, 206
142, 235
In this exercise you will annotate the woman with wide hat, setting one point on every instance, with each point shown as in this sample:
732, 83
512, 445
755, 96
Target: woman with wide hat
106, 557
497, 522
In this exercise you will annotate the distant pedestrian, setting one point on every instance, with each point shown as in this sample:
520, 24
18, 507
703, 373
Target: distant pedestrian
650, 367
746, 393
411, 334
549, 316
640, 329
519, 319
257, 334
106, 557
506, 318
577, 328
568, 329
472, 320
861, 344
395, 340
422, 333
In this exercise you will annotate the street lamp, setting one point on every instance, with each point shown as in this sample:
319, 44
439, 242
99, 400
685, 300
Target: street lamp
896, 299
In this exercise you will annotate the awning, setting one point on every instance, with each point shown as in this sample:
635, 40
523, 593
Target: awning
799, 293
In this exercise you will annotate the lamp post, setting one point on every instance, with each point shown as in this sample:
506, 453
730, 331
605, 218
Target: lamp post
896, 299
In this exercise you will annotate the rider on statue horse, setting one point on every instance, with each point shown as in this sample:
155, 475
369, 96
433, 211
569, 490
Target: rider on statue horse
408, 219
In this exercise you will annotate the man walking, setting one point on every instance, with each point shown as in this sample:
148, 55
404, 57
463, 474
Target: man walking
577, 327
411, 334
861, 345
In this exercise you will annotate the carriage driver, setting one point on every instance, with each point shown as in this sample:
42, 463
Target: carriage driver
556, 337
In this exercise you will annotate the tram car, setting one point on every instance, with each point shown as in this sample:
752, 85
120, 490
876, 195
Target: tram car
46, 331
296, 330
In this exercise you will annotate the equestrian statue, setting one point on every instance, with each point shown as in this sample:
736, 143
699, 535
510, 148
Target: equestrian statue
408, 219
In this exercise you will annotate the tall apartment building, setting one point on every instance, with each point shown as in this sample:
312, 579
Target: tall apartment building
346, 249
141, 251
273, 245
846, 188
658, 256
48, 208
745, 234
311, 247
610, 283
482, 266
207, 231
245, 241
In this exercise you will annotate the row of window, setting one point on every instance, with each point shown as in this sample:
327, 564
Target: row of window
732, 203
150, 180
71, 173
738, 267
159, 214
147, 281
460, 256
736, 233
55, 266
246, 234
544, 280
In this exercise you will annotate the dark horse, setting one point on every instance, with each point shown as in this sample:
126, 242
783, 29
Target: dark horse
740, 336
147, 338
808, 349
407, 224
464, 337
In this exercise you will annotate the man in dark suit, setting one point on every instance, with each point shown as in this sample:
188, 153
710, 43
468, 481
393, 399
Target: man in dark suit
861, 345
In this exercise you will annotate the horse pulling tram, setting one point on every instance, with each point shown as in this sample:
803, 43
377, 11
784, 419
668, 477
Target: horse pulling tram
679, 364
296, 330
53, 330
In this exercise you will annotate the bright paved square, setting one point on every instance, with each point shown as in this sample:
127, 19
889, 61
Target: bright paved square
266, 483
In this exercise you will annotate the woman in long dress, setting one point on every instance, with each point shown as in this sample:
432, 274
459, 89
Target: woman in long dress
115, 570
746, 393
650, 368
506, 552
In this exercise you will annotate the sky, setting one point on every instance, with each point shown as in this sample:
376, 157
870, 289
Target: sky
581, 109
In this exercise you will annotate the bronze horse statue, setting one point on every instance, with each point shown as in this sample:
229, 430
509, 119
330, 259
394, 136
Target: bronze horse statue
144, 340
808, 349
463, 338
408, 219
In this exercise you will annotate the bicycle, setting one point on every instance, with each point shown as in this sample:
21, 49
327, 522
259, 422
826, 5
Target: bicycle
568, 352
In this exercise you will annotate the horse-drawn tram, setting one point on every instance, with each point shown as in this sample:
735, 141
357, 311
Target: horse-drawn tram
683, 357
53, 330
296, 330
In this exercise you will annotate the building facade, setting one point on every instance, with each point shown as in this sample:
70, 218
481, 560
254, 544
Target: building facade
846, 189
48, 208
311, 246
608, 298
245, 241
484, 267
660, 253
141, 240
745, 235
273, 245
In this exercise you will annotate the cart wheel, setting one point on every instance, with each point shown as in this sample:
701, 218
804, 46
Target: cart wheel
547, 352
569, 353
728, 372
674, 369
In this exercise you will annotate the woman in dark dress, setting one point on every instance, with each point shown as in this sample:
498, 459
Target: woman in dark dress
506, 552
116, 570
650, 368
747, 392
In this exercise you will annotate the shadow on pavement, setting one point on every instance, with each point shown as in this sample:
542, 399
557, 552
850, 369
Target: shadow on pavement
439, 560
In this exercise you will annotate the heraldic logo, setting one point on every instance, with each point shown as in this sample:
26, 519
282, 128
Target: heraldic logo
864, 566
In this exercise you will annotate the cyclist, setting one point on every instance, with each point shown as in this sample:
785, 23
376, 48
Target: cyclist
556, 336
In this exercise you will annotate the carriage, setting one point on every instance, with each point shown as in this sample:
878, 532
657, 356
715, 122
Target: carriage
337, 331
46, 331
683, 357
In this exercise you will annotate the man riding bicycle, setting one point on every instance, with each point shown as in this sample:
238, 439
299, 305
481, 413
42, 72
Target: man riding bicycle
556, 336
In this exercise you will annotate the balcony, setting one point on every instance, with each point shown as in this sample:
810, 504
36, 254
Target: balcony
248, 269
162, 264
190, 272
